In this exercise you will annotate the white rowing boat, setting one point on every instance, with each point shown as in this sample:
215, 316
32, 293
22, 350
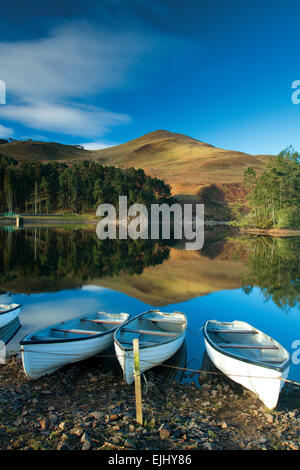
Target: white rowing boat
160, 335
249, 357
47, 350
8, 313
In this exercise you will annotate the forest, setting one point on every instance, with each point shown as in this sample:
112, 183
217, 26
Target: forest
45, 188
273, 197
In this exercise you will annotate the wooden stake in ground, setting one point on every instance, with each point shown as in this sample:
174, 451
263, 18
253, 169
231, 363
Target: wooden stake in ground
137, 382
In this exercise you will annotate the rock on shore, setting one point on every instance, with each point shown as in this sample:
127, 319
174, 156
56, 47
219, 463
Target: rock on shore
81, 407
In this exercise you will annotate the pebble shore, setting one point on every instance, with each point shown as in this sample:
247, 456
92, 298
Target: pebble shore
84, 407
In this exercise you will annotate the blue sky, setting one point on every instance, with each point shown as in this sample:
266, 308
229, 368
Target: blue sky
101, 72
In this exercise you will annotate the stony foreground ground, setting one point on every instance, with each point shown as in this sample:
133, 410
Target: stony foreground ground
84, 407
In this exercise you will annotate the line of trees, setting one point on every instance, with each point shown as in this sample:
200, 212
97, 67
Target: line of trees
274, 197
34, 187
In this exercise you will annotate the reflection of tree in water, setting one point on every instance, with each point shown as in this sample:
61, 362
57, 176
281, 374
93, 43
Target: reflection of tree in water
77, 253
275, 269
215, 240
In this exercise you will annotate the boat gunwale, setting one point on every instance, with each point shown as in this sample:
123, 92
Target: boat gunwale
26, 342
141, 346
266, 365
11, 309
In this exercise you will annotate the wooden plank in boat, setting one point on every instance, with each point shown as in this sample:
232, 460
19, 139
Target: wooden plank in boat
163, 320
246, 346
150, 332
115, 322
144, 343
80, 332
246, 332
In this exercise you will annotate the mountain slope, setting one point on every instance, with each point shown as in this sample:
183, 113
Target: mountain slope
185, 163
23, 150
195, 170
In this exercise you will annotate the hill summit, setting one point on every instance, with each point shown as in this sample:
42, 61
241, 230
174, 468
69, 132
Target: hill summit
187, 164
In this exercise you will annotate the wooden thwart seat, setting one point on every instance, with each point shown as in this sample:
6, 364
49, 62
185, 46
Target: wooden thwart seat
150, 332
117, 322
246, 332
80, 332
162, 320
246, 346
142, 343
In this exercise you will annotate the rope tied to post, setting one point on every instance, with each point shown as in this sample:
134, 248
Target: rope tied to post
197, 371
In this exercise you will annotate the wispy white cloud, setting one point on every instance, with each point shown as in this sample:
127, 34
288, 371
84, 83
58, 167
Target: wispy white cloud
97, 145
5, 132
49, 78
46, 77
74, 61
69, 119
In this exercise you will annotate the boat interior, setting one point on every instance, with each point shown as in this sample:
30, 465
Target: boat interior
4, 307
243, 340
84, 326
152, 327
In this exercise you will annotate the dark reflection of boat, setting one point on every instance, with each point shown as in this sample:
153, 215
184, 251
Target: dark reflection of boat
178, 360
208, 366
213, 373
8, 331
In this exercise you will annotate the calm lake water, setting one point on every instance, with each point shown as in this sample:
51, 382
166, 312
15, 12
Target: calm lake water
57, 274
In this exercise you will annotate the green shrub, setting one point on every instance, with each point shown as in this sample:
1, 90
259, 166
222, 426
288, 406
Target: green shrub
289, 218
264, 222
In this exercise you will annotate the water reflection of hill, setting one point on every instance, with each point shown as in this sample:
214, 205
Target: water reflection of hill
50, 259
184, 275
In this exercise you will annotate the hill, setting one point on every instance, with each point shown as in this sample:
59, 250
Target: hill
185, 163
159, 285
195, 170
23, 150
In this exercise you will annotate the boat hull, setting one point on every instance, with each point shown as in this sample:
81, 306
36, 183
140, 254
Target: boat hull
8, 331
149, 356
264, 382
44, 358
7, 317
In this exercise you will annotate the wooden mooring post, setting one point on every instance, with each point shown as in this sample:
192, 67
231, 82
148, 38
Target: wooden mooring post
137, 381
19, 221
